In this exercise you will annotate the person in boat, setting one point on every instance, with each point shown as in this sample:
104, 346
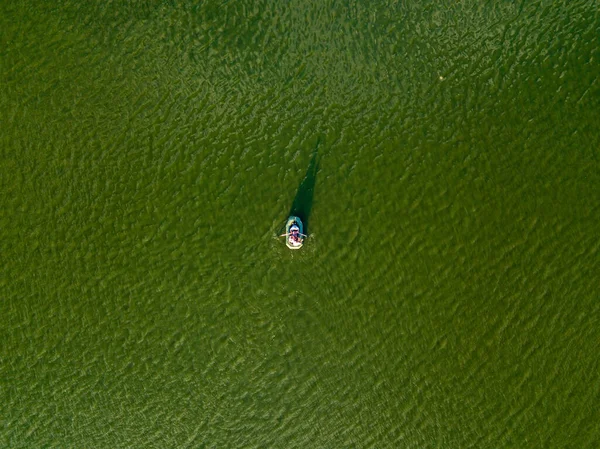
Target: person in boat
295, 234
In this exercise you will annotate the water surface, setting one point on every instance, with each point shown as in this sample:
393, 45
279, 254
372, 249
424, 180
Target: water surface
446, 296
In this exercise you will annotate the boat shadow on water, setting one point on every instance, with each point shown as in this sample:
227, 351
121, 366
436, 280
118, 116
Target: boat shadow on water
303, 201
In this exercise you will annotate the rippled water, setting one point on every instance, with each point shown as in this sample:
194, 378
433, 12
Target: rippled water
447, 294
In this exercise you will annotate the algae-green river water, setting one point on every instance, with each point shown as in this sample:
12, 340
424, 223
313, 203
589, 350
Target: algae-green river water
444, 156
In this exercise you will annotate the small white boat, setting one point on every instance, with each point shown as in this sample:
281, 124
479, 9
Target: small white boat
294, 237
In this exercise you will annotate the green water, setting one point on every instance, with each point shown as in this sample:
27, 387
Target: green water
447, 296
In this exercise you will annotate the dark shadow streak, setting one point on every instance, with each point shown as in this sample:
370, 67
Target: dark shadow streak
303, 200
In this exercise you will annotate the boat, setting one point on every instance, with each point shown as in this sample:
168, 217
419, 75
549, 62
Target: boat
294, 236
